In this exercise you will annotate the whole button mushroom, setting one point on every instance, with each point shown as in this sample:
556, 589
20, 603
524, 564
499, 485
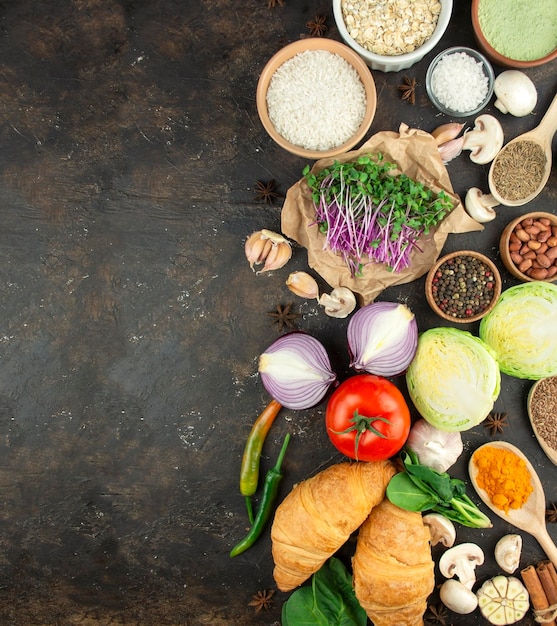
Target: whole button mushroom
515, 93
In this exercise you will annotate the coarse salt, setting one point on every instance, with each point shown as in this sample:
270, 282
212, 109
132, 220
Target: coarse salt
316, 100
459, 82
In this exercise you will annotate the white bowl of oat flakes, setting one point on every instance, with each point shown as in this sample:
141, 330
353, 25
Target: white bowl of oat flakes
392, 35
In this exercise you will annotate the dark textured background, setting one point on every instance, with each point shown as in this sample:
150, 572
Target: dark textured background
130, 322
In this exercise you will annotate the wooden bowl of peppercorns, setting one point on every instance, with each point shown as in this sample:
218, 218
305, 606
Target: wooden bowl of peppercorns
528, 247
463, 286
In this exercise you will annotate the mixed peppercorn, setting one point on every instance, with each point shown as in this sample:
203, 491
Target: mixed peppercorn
463, 287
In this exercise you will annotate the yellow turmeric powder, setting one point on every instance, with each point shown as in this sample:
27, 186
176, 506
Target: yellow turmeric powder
504, 477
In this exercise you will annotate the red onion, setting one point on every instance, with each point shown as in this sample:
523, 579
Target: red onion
296, 371
382, 338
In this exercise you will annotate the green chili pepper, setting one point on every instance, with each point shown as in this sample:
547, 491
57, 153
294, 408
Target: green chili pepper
266, 506
249, 471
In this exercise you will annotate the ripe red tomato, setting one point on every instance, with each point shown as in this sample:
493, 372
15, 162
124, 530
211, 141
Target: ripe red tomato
367, 418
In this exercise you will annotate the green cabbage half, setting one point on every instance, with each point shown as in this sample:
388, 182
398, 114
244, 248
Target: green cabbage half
453, 379
522, 330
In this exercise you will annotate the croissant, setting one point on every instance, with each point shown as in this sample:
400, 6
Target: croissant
393, 568
318, 516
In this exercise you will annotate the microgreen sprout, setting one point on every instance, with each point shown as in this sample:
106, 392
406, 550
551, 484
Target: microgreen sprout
365, 210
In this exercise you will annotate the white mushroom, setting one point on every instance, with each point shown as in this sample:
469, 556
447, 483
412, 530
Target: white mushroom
479, 205
515, 93
339, 303
461, 562
458, 598
484, 140
507, 552
441, 529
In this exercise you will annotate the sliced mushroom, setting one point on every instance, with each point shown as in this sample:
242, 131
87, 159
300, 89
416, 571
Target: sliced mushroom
484, 140
441, 529
507, 552
339, 303
479, 205
461, 561
458, 598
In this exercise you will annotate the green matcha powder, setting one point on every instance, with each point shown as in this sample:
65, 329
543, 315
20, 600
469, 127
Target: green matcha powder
523, 30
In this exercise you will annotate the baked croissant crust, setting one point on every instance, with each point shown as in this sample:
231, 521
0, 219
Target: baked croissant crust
318, 516
393, 568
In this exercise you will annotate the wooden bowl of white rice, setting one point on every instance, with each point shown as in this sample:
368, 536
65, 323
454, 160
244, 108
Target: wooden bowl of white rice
316, 98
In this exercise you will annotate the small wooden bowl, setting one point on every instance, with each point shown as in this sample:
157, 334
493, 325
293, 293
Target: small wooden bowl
544, 390
504, 243
497, 57
431, 279
288, 52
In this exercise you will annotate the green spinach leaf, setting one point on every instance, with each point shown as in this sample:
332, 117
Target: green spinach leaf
330, 601
406, 494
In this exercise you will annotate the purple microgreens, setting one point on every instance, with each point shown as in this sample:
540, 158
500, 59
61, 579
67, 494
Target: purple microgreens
365, 211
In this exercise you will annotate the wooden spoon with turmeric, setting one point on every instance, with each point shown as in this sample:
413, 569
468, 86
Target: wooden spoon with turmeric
530, 517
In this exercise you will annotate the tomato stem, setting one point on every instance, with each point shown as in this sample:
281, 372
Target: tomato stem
362, 424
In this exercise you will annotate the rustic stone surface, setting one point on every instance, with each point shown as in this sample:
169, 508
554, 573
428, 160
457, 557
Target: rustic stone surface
130, 322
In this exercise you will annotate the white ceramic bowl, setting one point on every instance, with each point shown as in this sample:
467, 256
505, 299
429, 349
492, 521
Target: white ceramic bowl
401, 61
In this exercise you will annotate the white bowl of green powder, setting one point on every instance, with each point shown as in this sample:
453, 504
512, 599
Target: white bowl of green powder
516, 33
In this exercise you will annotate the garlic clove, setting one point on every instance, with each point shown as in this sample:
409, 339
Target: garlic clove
451, 149
303, 285
255, 248
279, 255
507, 552
267, 247
446, 132
339, 303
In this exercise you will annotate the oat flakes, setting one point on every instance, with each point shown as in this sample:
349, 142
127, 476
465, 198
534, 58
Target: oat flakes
391, 27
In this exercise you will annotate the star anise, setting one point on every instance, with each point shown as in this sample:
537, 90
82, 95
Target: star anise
317, 26
408, 89
436, 614
262, 600
551, 514
283, 317
496, 422
273, 3
267, 191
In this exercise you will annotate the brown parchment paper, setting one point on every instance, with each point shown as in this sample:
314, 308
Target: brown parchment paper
416, 154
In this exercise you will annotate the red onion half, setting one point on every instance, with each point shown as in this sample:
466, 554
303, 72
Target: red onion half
382, 338
296, 371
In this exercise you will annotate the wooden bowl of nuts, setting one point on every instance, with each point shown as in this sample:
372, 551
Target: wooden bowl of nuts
528, 247
463, 286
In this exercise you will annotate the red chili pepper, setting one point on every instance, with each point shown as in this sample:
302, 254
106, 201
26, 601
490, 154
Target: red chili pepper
249, 472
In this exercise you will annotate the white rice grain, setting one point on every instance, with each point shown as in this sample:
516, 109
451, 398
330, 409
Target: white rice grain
316, 100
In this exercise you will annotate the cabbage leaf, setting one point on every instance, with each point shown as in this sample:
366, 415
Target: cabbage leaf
453, 379
520, 329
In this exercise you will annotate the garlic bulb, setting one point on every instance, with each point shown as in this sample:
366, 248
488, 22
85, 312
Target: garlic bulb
503, 600
268, 248
435, 448
303, 285
339, 303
